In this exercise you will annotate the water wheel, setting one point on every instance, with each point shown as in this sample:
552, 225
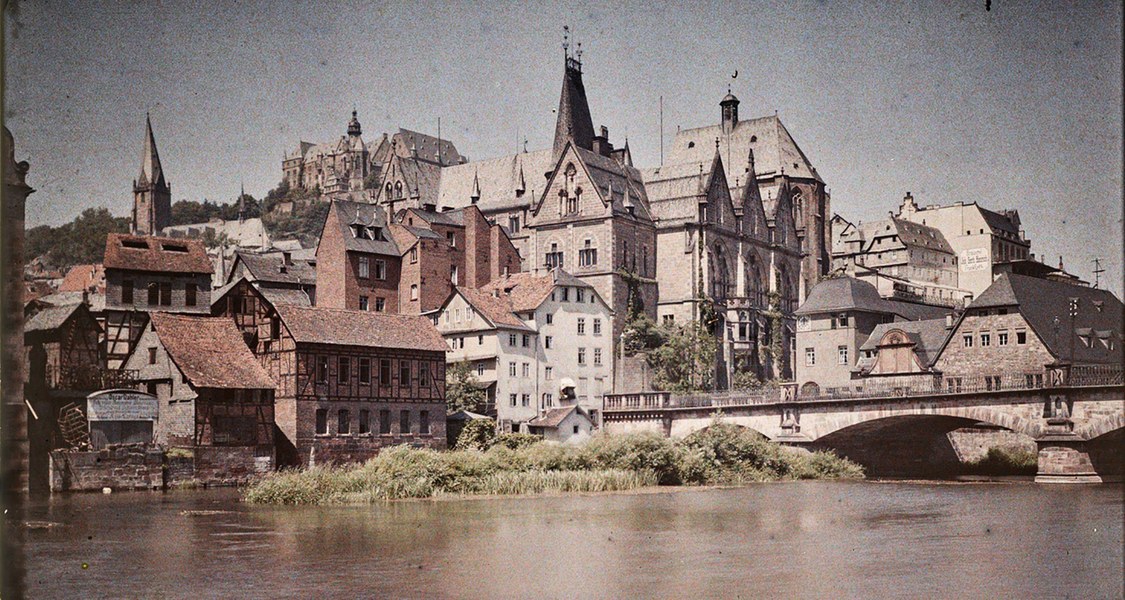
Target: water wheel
72, 423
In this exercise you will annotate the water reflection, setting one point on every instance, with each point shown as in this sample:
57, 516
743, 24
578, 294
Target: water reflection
823, 539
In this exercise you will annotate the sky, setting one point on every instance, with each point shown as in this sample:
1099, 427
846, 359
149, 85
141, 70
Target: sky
1019, 106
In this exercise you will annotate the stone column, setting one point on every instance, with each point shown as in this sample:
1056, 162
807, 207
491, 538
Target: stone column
13, 421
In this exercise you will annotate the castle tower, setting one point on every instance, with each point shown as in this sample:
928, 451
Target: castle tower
152, 195
574, 121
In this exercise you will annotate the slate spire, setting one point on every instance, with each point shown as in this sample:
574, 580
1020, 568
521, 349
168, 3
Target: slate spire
574, 121
151, 171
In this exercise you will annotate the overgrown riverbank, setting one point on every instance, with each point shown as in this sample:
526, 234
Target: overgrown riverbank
720, 455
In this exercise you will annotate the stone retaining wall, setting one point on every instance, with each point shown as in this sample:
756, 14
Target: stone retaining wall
133, 467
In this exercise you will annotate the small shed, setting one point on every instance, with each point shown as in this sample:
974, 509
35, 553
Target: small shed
569, 424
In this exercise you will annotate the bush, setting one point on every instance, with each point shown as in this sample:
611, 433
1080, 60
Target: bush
516, 441
478, 434
1006, 460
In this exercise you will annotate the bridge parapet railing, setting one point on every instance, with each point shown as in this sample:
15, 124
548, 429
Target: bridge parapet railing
950, 384
1092, 375
658, 400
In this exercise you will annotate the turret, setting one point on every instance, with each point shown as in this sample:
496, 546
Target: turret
730, 112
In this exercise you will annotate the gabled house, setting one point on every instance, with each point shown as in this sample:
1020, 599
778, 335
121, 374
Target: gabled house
1021, 324
214, 398
569, 425
276, 273
150, 274
903, 352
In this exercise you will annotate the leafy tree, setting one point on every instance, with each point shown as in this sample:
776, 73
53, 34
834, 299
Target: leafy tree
478, 434
82, 241
462, 392
686, 360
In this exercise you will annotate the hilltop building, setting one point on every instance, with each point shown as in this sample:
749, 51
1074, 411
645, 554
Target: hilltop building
979, 237
901, 258
400, 169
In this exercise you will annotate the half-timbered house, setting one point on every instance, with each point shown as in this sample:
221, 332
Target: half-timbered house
215, 399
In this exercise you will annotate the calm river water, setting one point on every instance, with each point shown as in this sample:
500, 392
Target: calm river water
800, 539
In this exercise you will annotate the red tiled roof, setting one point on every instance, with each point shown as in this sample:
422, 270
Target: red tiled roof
497, 309
554, 417
147, 253
528, 290
210, 352
84, 277
337, 326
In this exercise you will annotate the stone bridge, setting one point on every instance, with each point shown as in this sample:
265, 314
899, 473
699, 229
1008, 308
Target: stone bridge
1075, 420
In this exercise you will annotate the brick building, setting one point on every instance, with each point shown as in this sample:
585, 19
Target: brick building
348, 382
146, 274
358, 262
1020, 324
213, 396
409, 264
534, 340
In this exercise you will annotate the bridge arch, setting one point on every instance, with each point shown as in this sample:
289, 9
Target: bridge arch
983, 414
921, 444
1099, 427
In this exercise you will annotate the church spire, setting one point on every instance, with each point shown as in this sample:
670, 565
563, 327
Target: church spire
151, 171
574, 121
152, 196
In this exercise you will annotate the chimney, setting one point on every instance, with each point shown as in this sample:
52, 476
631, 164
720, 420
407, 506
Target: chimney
601, 143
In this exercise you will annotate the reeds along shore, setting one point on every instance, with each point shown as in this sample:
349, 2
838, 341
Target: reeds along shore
720, 455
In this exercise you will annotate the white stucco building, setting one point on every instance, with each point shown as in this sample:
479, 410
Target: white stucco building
535, 341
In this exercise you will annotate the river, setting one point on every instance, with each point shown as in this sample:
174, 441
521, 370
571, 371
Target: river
799, 539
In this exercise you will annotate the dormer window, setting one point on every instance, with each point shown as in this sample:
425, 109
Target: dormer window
174, 247
135, 244
360, 232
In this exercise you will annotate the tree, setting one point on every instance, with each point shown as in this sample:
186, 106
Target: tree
82, 241
686, 360
462, 391
478, 434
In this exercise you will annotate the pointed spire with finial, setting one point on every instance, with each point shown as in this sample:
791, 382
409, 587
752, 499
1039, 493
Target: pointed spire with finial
241, 201
573, 121
521, 183
475, 197
151, 171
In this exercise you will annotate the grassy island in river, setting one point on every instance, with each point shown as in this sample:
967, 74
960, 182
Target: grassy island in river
722, 454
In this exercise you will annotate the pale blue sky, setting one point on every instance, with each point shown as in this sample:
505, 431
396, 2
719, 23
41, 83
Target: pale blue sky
1015, 107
